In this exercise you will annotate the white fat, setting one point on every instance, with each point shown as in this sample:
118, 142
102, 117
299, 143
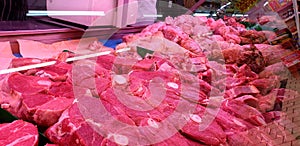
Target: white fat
43, 82
140, 89
238, 123
46, 75
42, 73
75, 101
88, 93
152, 123
121, 139
77, 141
35, 61
119, 79
5, 105
173, 85
262, 121
21, 139
93, 122
196, 118
165, 67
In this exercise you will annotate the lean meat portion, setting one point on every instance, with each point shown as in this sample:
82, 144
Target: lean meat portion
265, 85
38, 95
72, 129
98, 102
213, 134
174, 34
18, 133
271, 54
278, 69
238, 109
252, 37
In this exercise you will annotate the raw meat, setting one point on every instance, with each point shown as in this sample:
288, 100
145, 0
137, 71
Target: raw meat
273, 115
102, 101
267, 102
178, 139
253, 58
212, 135
18, 133
38, 95
28, 84
242, 90
277, 69
6, 55
272, 54
265, 85
72, 129
243, 111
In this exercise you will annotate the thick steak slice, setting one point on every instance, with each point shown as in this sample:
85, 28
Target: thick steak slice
28, 84
71, 129
84, 127
48, 113
30, 103
18, 133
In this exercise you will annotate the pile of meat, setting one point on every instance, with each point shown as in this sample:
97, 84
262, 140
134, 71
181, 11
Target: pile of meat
200, 85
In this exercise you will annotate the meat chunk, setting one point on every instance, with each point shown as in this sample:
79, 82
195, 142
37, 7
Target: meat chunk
213, 134
242, 90
253, 58
243, 111
18, 133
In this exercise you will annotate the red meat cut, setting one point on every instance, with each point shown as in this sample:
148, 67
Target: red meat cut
18, 133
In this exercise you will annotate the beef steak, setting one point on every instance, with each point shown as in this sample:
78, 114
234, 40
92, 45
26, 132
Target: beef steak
18, 133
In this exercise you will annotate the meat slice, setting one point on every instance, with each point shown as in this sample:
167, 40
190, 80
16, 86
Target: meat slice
273, 115
48, 113
244, 111
272, 54
245, 72
233, 82
249, 100
80, 126
71, 129
265, 85
278, 69
211, 135
18, 133
242, 90
18, 62
30, 104
178, 139
28, 84
58, 72
230, 122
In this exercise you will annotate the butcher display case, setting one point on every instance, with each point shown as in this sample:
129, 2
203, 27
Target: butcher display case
192, 77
